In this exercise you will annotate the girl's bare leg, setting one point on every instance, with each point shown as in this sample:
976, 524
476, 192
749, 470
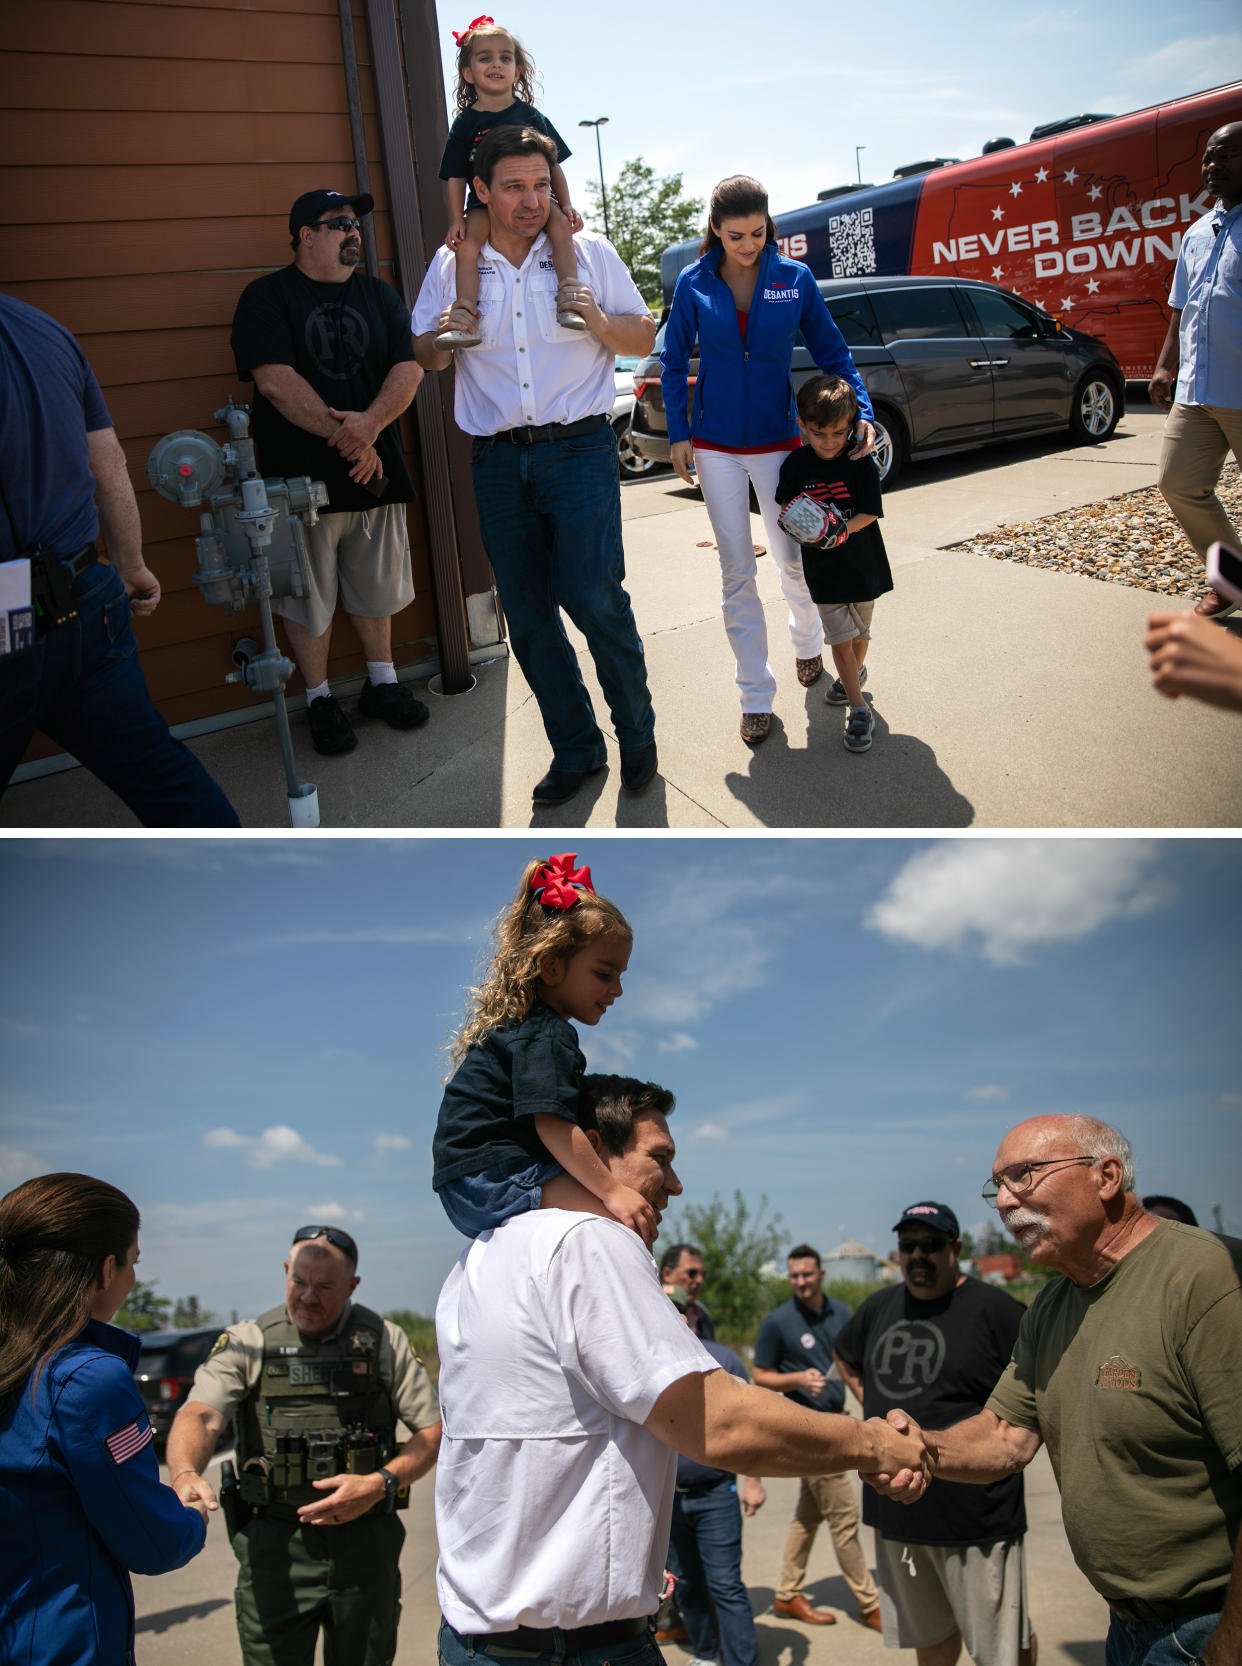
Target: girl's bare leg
464, 313
565, 259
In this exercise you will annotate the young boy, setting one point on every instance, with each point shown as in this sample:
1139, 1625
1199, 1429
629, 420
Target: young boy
843, 580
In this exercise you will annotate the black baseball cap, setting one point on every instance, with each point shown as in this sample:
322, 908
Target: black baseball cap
936, 1215
311, 204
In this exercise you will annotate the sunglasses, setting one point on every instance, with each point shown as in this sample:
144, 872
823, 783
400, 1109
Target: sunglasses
338, 1239
341, 223
911, 1246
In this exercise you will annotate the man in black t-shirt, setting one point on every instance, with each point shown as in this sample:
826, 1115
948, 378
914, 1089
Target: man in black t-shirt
332, 360
937, 1344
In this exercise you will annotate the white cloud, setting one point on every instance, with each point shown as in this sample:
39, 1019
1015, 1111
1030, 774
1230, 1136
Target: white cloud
613, 1051
274, 1145
334, 1213
709, 1131
392, 1142
17, 1165
678, 1042
1231, 1101
1005, 898
990, 1094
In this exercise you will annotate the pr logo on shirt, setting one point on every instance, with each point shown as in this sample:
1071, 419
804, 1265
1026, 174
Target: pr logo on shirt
337, 338
1118, 1373
907, 1358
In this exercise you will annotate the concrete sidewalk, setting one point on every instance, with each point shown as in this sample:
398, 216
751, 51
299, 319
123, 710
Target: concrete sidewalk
186, 1618
1005, 696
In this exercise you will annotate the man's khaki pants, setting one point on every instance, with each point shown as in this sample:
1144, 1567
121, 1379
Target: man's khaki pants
1197, 439
827, 1498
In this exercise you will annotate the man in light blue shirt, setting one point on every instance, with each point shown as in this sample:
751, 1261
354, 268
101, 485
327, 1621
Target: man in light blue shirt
1199, 371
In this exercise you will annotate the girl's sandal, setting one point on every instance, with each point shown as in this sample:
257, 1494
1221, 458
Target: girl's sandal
569, 290
463, 328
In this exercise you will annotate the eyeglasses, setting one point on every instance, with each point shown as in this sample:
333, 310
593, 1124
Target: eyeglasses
338, 1239
341, 223
1020, 1177
933, 1246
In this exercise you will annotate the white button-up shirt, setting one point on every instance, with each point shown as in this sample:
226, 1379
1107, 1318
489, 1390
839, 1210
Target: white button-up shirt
1207, 290
529, 370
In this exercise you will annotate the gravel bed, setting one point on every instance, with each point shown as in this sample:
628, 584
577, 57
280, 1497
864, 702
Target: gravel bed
1128, 539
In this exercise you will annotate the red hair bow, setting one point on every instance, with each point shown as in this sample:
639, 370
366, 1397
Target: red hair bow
477, 22
559, 881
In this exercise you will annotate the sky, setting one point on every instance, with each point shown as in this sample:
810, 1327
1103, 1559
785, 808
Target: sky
249, 1035
787, 95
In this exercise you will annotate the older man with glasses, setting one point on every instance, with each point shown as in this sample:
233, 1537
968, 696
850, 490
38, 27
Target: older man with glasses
1129, 1366
951, 1568
316, 1388
329, 351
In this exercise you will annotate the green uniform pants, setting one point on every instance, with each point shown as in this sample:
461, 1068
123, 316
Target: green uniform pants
292, 1580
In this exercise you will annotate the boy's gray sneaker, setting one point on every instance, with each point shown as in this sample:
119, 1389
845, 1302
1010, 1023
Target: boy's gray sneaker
858, 727
836, 695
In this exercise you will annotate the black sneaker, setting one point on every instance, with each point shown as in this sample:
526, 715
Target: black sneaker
329, 727
858, 729
836, 695
392, 702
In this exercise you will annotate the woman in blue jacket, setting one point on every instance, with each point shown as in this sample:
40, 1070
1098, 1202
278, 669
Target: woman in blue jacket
746, 305
80, 1494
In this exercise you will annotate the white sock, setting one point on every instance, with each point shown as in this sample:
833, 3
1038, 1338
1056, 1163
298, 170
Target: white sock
319, 692
381, 671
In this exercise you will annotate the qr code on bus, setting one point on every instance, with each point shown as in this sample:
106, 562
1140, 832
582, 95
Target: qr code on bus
851, 241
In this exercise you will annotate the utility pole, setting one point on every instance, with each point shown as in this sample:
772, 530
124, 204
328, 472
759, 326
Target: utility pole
603, 194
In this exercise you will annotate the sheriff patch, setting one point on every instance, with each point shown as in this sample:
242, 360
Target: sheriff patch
1117, 1373
126, 1443
219, 1345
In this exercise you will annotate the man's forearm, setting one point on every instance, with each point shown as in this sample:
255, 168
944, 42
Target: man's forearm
119, 522
780, 1382
1169, 351
398, 389
429, 356
632, 334
295, 399
191, 1443
983, 1448
417, 1456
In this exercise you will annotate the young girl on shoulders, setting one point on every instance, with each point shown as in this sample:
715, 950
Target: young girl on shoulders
491, 65
508, 1138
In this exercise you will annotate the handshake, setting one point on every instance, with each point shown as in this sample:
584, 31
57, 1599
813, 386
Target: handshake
904, 1459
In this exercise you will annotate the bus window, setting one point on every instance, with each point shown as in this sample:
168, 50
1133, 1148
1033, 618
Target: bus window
853, 316
915, 314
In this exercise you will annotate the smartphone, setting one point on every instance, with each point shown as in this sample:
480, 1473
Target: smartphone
1224, 571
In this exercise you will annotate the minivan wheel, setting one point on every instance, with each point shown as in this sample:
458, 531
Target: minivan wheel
633, 465
890, 445
1096, 410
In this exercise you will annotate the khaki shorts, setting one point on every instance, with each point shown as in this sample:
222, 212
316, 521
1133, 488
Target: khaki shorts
366, 554
843, 621
929, 1591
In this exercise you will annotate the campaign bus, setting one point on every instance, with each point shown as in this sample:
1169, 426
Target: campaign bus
1086, 222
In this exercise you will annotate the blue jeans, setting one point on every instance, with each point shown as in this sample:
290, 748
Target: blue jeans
82, 685
456, 1650
705, 1552
551, 521
480, 1202
1158, 1642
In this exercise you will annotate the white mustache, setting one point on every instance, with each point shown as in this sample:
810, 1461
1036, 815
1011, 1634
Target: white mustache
1016, 1219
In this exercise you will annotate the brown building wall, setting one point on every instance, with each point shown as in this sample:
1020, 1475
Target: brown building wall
150, 154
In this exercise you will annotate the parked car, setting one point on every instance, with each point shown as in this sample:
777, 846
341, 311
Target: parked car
165, 1371
633, 466
949, 363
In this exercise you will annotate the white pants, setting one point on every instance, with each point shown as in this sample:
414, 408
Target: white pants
725, 477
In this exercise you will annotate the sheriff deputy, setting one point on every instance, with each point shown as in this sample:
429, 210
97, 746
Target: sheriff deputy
316, 1388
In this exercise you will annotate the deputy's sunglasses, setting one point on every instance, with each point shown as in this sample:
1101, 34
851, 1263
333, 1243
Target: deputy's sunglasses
341, 223
932, 1246
338, 1239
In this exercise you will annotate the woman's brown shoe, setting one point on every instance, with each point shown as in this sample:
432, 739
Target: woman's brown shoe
810, 670
755, 727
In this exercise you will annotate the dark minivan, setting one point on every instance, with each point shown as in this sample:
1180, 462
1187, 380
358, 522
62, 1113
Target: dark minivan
166, 1370
949, 364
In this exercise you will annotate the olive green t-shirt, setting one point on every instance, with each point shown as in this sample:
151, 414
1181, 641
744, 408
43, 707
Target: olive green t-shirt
1136, 1387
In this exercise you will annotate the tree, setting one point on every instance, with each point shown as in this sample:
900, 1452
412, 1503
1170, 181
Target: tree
143, 1309
645, 215
737, 1246
188, 1315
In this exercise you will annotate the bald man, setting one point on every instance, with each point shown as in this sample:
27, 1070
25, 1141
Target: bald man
1128, 1366
1198, 376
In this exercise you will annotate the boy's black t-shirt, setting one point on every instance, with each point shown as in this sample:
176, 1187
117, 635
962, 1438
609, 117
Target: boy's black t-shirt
857, 570
343, 338
472, 125
939, 1361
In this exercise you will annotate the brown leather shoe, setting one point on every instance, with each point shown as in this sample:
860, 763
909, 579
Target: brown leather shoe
871, 1620
810, 670
1214, 606
798, 1608
674, 1634
756, 726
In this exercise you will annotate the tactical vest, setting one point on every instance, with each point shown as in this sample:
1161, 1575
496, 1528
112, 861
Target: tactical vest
318, 1409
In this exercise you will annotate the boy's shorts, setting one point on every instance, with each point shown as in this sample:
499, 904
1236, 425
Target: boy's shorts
928, 1591
478, 1202
363, 553
843, 621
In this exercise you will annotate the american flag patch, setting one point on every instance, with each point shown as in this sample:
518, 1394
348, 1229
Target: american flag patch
131, 1439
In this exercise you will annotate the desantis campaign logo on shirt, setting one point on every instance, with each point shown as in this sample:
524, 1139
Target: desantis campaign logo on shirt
907, 1358
784, 293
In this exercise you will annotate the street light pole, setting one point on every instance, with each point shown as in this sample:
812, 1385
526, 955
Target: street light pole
603, 194
858, 149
